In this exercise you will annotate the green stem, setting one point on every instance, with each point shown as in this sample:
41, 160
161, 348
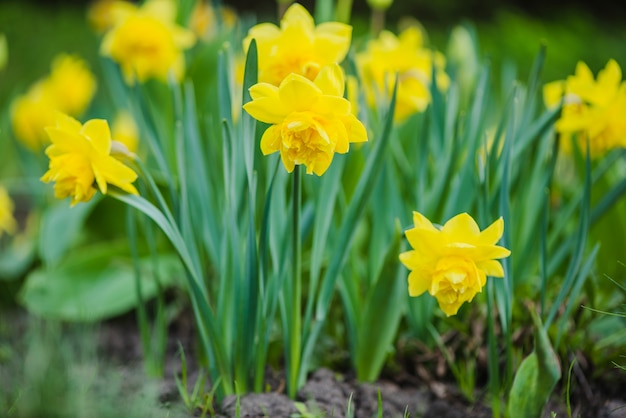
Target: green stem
295, 334
378, 21
343, 11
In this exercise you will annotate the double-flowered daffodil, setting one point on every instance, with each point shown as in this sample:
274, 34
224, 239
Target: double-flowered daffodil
452, 263
593, 110
80, 159
311, 120
406, 56
298, 46
147, 42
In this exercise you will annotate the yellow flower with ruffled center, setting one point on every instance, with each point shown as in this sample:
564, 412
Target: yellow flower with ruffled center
406, 56
452, 263
80, 159
311, 120
298, 46
7, 221
593, 110
147, 43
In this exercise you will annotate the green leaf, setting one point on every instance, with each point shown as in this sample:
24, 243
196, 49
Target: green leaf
536, 377
60, 228
94, 283
381, 315
17, 257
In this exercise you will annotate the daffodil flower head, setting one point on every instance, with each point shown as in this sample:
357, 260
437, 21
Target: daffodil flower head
80, 160
311, 120
69, 89
406, 56
298, 46
70, 84
594, 110
452, 263
147, 43
30, 114
7, 221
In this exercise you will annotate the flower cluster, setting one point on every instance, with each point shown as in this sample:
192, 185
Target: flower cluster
69, 89
80, 156
301, 91
452, 263
147, 42
593, 110
406, 56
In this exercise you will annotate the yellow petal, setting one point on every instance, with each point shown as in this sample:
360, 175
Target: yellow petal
491, 268
296, 14
418, 283
356, 130
267, 110
97, 130
67, 123
493, 233
330, 105
287, 162
461, 228
330, 80
270, 141
298, 93
421, 222
553, 92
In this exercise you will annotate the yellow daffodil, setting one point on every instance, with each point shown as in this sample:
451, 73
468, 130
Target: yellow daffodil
80, 158
30, 114
69, 89
206, 21
593, 110
124, 130
102, 14
147, 42
298, 46
70, 84
452, 263
405, 56
310, 119
7, 221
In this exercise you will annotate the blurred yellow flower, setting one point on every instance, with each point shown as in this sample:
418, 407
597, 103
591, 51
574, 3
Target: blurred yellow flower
405, 55
298, 46
30, 114
593, 110
80, 158
7, 221
205, 21
70, 84
124, 130
102, 14
69, 89
311, 120
147, 43
452, 263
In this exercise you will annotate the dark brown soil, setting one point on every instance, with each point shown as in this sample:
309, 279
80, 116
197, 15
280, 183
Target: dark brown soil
326, 393
331, 394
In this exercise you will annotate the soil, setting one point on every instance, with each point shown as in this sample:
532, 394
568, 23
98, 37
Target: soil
326, 393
